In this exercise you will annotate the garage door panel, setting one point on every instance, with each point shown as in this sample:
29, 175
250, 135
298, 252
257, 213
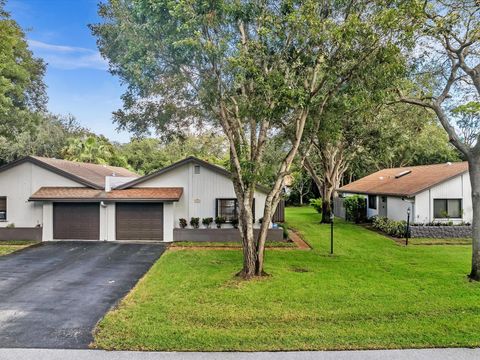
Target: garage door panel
76, 221
139, 221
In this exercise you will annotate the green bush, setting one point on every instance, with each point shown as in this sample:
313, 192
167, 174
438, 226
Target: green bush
195, 222
355, 208
219, 220
207, 222
183, 223
285, 231
390, 227
316, 204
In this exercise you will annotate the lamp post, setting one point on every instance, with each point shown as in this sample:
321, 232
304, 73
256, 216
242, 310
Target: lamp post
332, 217
407, 233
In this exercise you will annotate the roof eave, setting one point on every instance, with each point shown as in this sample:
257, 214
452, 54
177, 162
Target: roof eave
104, 199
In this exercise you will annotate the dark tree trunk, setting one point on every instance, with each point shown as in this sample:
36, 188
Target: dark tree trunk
326, 210
474, 170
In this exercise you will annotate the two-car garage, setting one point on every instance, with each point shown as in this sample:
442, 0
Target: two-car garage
81, 221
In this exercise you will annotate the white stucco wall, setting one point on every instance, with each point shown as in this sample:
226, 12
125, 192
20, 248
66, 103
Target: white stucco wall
456, 188
397, 208
21, 181
200, 191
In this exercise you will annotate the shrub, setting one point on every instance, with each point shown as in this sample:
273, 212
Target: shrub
10, 226
355, 208
219, 220
235, 223
316, 204
183, 223
195, 222
390, 227
207, 222
285, 231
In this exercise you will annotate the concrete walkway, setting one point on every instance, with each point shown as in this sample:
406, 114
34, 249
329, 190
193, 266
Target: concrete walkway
425, 354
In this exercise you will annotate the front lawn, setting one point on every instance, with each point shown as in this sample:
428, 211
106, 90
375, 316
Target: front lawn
372, 293
8, 247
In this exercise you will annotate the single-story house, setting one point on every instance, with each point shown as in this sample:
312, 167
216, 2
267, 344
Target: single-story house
55, 199
434, 193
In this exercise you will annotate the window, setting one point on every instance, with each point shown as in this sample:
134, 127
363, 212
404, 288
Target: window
228, 208
372, 201
3, 208
196, 169
447, 208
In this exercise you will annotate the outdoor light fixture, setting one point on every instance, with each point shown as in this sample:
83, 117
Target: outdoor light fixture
332, 217
407, 232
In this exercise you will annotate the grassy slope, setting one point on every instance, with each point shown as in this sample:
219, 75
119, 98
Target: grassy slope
7, 247
372, 294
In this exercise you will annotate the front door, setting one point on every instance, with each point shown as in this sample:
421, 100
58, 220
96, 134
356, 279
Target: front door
382, 211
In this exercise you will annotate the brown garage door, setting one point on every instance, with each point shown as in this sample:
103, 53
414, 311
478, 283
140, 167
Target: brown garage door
137, 221
76, 221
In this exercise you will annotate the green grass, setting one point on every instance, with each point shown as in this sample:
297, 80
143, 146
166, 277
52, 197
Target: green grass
8, 247
269, 244
434, 241
372, 293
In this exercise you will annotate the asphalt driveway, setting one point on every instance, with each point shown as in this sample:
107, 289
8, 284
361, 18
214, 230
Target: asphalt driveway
52, 295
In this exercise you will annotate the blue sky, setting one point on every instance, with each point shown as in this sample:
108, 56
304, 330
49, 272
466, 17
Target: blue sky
77, 77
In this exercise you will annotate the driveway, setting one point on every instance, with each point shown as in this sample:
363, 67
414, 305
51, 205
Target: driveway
52, 295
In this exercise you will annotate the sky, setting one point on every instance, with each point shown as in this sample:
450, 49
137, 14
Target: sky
77, 76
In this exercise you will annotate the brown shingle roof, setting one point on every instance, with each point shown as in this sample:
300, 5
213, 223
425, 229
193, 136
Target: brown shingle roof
385, 182
92, 173
82, 194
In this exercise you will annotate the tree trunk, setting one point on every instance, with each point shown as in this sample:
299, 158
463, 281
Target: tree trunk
474, 170
246, 231
326, 210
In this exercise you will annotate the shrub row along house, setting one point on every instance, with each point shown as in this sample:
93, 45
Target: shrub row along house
434, 193
51, 199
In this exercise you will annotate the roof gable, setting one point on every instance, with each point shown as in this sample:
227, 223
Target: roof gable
405, 181
91, 175
191, 159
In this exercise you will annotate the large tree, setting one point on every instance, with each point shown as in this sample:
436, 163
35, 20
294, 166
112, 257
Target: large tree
449, 50
254, 68
146, 155
22, 91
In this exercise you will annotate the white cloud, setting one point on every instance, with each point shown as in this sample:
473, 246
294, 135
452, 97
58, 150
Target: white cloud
68, 57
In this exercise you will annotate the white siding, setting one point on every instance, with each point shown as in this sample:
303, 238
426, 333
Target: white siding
21, 181
456, 188
200, 191
397, 208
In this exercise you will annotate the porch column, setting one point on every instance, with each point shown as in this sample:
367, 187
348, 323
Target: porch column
168, 222
47, 226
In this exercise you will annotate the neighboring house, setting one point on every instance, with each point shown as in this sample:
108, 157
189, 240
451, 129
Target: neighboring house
434, 193
68, 200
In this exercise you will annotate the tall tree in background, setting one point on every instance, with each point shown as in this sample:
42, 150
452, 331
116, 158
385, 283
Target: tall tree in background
47, 138
253, 68
450, 51
22, 91
147, 155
